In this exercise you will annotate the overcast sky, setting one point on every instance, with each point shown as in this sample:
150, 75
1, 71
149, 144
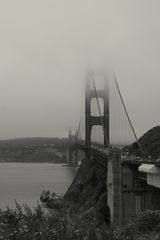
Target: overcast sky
46, 47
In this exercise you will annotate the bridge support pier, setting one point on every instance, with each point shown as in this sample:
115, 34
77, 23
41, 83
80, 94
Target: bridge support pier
114, 186
127, 193
72, 156
69, 155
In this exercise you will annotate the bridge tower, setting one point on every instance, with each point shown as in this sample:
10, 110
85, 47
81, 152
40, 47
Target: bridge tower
90, 120
71, 153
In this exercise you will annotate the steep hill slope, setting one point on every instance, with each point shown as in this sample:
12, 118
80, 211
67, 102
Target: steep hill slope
88, 193
150, 143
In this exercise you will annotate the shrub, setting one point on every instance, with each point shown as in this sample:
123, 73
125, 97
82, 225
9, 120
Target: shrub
148, 221
36, 224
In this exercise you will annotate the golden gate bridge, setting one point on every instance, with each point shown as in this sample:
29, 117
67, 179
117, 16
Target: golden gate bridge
104, 128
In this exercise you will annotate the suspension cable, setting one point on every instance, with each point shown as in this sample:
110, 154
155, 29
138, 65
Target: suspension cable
99, 109
129, 120
78, 131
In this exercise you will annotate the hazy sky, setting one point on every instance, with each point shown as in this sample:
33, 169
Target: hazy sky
46, 47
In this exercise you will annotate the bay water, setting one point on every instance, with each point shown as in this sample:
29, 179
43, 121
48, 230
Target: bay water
24, 182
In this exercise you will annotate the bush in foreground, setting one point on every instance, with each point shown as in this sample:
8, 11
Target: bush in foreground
145, 226
37, 224
24, 223
57, 224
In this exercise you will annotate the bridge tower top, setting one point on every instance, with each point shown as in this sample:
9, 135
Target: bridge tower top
103, 118
71, 136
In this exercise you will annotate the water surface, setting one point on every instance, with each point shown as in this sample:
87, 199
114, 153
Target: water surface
24, 182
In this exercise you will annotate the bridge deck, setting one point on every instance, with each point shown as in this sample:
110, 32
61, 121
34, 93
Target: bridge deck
103, 153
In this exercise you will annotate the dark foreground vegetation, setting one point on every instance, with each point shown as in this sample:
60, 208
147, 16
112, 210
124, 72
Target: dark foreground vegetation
27, 224
56, 224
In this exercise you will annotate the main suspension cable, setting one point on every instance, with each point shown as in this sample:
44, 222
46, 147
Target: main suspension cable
129, 120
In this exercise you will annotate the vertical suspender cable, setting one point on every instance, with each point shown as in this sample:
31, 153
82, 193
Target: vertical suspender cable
125, 109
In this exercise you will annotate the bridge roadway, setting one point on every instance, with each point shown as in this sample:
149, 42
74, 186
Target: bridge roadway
100, 154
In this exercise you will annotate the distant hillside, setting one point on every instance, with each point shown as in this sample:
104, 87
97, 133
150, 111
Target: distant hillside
33, 150
21, 142
150, 143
